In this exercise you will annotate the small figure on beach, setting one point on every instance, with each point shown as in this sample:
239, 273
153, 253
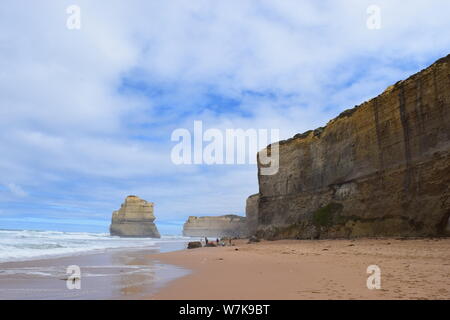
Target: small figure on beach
217, 241
206, 240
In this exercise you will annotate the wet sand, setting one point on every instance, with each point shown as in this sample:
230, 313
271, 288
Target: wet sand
113, 274
322, 269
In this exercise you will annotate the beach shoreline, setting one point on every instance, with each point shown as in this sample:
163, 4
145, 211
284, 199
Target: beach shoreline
268, 270
311, 269
125, 273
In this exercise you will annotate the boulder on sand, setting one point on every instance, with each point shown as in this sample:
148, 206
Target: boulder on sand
194, 245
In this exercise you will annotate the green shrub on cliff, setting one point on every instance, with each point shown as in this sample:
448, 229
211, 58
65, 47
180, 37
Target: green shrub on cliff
324, 216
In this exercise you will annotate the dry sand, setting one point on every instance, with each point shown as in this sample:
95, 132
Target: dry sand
323, 269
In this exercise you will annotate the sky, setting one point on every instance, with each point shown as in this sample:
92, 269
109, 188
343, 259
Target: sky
86, 115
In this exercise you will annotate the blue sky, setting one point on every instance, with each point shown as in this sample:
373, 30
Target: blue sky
86, 115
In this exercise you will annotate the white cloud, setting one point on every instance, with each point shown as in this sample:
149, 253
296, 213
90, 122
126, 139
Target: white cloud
16, 190
86, 116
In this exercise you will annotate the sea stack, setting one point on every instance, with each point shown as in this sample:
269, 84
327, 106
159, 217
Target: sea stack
134, 219
379, 169
222, 226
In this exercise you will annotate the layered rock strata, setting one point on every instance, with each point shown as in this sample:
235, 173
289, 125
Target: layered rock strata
379, 169
222, 226
134, 219
251, 212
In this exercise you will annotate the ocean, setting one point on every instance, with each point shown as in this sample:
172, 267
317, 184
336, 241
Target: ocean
24, 245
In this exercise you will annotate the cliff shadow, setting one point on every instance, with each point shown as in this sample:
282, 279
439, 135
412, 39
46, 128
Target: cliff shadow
443, 227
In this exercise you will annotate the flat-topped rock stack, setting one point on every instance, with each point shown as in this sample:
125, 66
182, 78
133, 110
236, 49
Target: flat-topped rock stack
222, 226
134, 219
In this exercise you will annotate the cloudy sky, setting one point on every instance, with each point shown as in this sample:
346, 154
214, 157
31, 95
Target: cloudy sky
86, 115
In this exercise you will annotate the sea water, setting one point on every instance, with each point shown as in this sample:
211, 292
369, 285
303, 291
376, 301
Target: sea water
23, 245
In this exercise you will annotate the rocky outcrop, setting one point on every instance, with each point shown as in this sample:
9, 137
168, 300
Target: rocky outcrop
134, 219
223, 226
251, 212
194, 245
379, 169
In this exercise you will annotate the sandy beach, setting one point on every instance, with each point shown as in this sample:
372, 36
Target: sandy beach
287, 269
323, 269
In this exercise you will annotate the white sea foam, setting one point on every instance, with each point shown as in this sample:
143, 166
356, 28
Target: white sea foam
29, 245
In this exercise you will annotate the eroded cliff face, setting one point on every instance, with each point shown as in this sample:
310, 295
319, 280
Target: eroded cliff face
380, 169
134, 219
223, 226
251, 212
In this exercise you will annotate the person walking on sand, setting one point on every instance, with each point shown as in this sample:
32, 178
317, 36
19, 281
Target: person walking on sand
206, 240
217, 241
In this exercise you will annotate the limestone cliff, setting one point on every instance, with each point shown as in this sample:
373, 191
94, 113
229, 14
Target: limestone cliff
251, 212
134, 219
223, 226
379, 169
